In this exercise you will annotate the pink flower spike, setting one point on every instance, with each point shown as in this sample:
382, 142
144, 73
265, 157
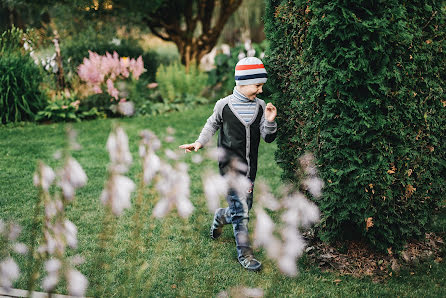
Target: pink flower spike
138, 68
112, 90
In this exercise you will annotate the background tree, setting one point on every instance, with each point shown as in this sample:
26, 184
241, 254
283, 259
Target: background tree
361, 84
193, 25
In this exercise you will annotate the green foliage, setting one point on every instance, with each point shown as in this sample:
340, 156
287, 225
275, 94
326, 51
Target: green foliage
20, 96
361, 84
180, 88
11, 40
67, 109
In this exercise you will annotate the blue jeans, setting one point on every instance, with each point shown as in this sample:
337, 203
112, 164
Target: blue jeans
237, 214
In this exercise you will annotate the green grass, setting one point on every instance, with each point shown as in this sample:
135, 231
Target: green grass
182, 260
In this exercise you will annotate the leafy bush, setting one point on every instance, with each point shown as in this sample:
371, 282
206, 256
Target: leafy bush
67, 109
20, 96
179, 88
361, 84
11, 40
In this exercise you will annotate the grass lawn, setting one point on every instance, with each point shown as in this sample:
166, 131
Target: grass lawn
181, 259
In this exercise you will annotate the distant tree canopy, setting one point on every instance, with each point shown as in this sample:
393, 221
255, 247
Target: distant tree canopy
193, 25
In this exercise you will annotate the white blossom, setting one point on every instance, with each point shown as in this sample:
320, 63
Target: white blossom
14, 231
53, 207
51, 243
241, 55
44, 177
170, 154
169, 139
251, 53
72, 177
20, 248
214, 186
287, 265
50, 281
197, 158
314, 186
216, 153
53, 265
264, 229
117, 193
151, 165
173, 188
161, 208
226, 49
307, 164
70, 233
247, 44
9, 273
77, 283
118, 148
253, 292
126, 108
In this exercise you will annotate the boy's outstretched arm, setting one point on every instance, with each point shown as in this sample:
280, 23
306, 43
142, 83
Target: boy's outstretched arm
212, 125
189, 147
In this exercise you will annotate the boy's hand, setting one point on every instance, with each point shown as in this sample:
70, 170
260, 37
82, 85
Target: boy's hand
271, 112
188, 147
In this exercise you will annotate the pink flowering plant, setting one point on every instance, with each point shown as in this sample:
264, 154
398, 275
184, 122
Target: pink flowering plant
102, 74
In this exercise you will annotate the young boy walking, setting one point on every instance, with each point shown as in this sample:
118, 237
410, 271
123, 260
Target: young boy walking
242, 119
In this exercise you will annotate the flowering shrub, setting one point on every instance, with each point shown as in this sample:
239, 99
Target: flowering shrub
101, 74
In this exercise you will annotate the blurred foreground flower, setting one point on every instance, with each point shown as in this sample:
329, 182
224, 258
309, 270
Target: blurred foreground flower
58, 231
296, 212
173, 188
118, 188
9, 271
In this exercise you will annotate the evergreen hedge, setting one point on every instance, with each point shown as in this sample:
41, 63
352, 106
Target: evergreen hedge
361, 85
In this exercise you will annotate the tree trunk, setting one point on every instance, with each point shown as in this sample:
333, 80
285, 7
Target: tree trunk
191, 48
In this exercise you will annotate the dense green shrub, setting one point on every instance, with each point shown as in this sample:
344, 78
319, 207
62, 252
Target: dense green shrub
180, 88
361, 84
20, 79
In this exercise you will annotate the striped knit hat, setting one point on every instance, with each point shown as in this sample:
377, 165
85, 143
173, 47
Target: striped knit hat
249, 71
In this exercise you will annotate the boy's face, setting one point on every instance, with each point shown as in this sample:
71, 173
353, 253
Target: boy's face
251, 91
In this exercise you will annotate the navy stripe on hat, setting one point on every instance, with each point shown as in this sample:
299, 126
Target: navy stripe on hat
252, 76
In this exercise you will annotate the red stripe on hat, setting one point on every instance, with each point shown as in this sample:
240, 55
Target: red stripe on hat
249, 66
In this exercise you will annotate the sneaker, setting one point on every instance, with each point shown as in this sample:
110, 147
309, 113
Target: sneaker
250, 263
217, 224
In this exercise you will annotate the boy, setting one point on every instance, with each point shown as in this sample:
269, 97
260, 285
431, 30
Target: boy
242, 119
